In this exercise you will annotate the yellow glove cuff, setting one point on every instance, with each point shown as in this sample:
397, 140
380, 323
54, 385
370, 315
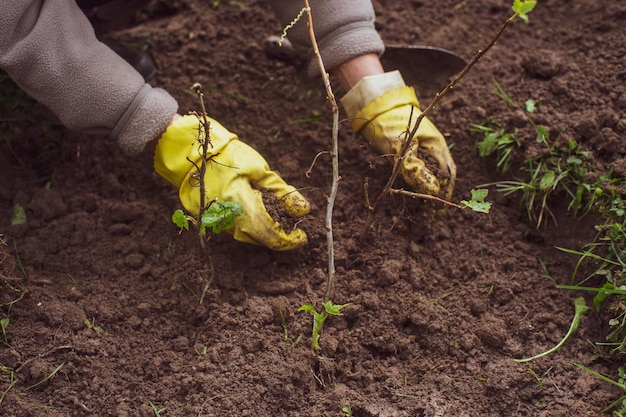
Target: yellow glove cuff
390, 100
180, 141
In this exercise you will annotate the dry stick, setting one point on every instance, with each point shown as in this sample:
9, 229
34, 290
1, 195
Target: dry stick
334, 155
407, 141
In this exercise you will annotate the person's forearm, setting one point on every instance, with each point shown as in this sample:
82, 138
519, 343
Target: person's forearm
351, 72
50, 50
344, 30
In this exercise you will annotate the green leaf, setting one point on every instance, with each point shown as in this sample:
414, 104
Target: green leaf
180, 219
547, 181
523, 7
19, 215
4, 324
221, 216
333, 309
308, 308
478, 203
542, 135
530, 105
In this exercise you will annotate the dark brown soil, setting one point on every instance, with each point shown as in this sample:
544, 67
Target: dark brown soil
439, 306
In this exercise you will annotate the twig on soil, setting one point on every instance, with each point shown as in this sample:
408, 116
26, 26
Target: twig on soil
424, 196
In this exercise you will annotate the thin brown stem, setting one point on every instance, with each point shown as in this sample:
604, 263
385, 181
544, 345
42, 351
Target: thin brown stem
424, 196
205, 141
334, 156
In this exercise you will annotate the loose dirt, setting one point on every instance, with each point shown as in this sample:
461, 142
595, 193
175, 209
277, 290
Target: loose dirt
439, 306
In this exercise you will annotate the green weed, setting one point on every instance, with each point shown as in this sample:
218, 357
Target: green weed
558, 167
286, 337
580, 308
91, 324
203, 352
561, 168
618, 406
156, 410
48, 377
496, 141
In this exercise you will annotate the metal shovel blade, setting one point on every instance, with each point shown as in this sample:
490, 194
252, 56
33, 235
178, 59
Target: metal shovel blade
427, 67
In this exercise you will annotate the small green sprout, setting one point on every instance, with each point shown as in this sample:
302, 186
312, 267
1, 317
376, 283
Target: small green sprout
18, 216
286, 337
4, 324
203, 352
91, 324
530, 105
319, 318
347, 411
477, 202
521, 8
155, 409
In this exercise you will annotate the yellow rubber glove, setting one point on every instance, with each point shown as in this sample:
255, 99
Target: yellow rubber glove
379, 108
235, 173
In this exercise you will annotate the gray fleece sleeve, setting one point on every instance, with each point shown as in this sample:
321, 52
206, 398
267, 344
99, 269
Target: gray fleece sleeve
48, 47
344, 29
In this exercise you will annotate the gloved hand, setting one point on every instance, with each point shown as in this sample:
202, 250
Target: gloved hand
236, 173
379, 108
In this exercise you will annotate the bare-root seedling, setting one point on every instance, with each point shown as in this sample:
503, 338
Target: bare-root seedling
212, 215
521, 8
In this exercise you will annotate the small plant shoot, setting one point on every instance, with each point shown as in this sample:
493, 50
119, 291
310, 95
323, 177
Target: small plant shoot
319, 318
217, 216
521, 8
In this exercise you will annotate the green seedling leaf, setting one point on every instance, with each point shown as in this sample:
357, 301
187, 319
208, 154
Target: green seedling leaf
542, 135
574, 160
4, 324
530, 105
180, 219
220, 217
319, 318
547, 181
91, 324
19, 215
478, 203
333, 309
522, 7
580, 308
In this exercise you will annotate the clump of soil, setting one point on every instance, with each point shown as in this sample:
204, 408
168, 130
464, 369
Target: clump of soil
277, 212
